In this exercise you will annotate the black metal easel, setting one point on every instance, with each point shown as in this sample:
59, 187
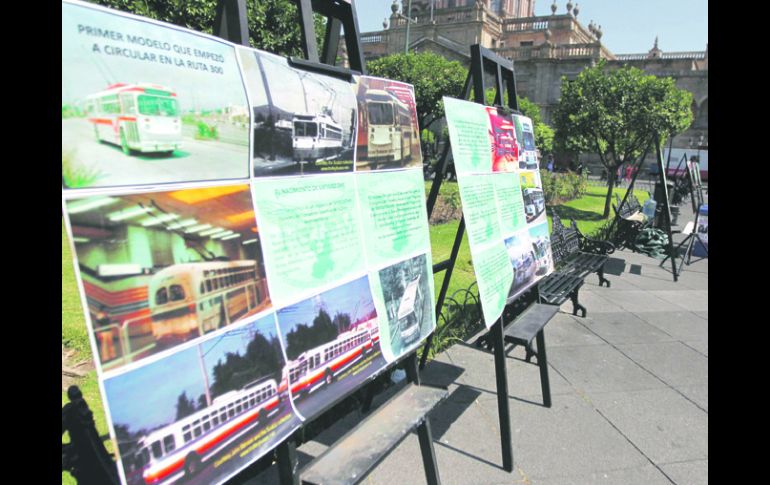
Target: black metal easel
666, 207
231, 23
482, 61
340, 14
696, 197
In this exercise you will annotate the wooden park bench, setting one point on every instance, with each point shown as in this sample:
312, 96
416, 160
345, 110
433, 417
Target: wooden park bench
630, 221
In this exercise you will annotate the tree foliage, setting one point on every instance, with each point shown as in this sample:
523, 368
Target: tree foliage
617, 113
543, 133
322, 330
262, 359
432, 76
273, 24
184, 406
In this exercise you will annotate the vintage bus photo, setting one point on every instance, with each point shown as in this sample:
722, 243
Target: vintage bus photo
408, 303
141, 118
388, 134
184, 447
315, 137
526, 136
502, 137
161, 268
320, 366
332, 345
191, 299
534, 203
410, 313
178, 419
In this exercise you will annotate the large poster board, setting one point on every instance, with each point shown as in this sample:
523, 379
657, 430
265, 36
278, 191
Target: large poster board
503, 202
251, 240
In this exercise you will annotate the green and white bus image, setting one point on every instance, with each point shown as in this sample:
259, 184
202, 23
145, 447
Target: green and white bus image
140, 118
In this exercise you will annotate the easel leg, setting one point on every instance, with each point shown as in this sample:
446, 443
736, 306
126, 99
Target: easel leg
428, 453
503, 406
288, 466
542, 361
423, 430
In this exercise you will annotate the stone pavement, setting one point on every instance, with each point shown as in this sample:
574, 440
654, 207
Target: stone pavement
629, 385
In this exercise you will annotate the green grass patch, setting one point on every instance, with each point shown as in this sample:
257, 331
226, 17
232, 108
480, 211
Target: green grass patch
75, 336
73, 325
588, 210
75, 175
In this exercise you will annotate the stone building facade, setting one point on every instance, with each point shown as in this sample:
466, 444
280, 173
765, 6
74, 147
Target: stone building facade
543, 48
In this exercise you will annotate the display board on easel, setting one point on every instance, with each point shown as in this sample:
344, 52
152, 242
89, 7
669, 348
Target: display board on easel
246, 255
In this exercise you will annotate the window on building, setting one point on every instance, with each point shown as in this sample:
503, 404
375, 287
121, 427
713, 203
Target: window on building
527, 43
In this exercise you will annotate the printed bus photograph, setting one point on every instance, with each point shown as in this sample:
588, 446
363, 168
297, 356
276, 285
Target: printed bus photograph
407, 295
526, 137
534, 198
388, 135
161, 268
541, 245
148, 104
521, 253
332, 344
303, 122
187, 417
504, 142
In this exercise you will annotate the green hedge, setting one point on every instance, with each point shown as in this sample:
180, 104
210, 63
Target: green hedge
562, 187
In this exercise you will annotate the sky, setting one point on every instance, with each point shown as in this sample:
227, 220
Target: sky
629, 26
128, 394
354, 298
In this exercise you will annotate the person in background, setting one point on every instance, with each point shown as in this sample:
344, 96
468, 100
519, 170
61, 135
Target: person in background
549, 166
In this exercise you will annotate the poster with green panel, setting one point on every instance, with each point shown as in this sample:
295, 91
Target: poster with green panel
241, 268
502, 198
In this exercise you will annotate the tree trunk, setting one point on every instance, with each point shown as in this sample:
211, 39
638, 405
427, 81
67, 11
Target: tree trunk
611, 175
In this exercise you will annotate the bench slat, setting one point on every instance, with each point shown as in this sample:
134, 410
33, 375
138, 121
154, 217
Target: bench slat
528, 324
361, 449
556, 287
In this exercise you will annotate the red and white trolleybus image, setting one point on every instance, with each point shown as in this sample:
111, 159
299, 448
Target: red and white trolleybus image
184, 446
140, 117
332, 345
320, 365
178, 419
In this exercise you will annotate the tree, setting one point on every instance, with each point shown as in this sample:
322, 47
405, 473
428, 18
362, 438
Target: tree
432, 76
617, 114
543, 133
342, 322
305, 337
263, 358
273, 24
184, 406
